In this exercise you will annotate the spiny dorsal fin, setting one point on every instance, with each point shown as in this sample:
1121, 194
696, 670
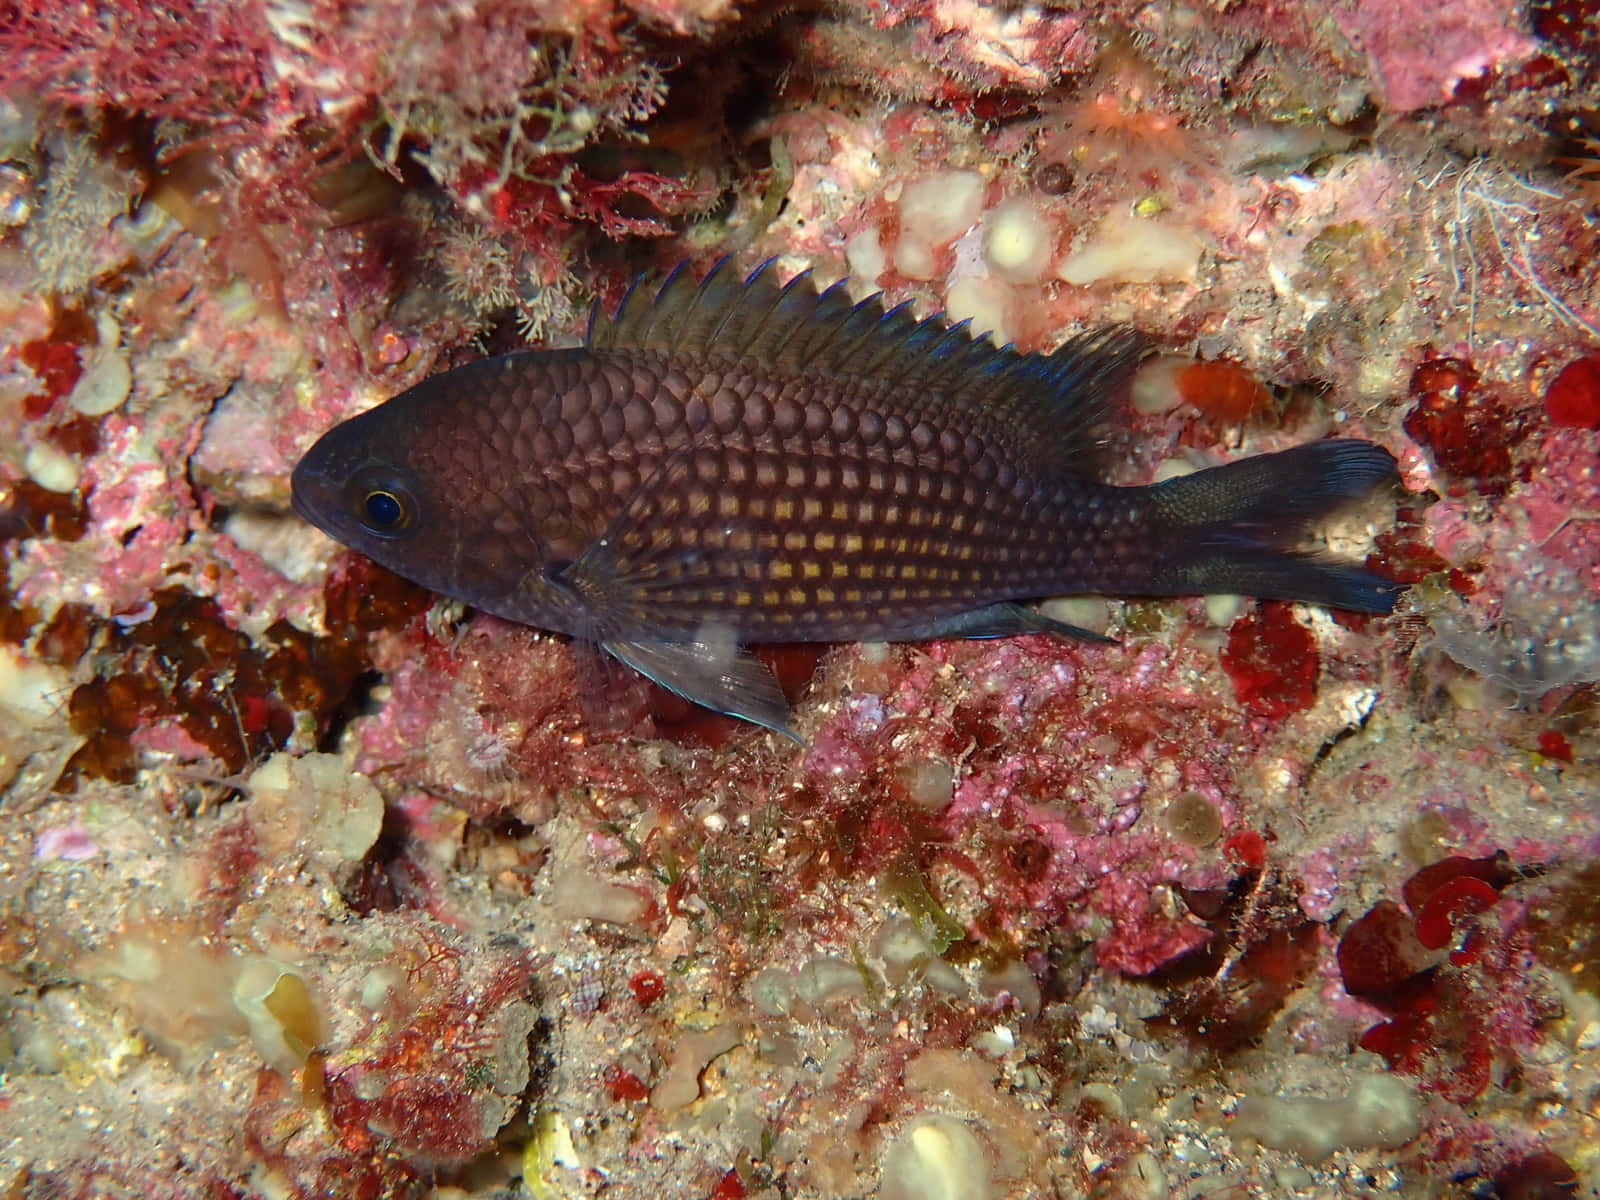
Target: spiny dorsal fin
1052, 400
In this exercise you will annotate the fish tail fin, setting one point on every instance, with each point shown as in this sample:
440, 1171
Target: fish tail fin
1238, 523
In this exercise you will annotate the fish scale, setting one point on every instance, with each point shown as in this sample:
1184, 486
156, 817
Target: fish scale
914, 486
727, 462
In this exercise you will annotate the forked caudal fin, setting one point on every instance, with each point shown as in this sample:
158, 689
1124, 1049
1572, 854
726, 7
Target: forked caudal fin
1235, 525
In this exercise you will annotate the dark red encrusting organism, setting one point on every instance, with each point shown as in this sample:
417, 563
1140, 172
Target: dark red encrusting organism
1537, 73
183, 665
29, 511
1246, 850
1400, 553
1272, 660
62, 640
1495, 870
1450, 907
1539, 1176
57, 364
78, 436
219, 692
1447, 1023
647, 987
1404, 555
729, 1187
66, 637
623, 1086
1573, 396
1399, 557
1553, 744
1380, 951
1568, 28
1464, 424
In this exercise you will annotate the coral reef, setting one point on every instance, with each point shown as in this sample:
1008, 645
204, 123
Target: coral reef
312, 885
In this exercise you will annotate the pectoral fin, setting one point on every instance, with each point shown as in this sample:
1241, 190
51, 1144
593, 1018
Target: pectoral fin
717, 675
631, 578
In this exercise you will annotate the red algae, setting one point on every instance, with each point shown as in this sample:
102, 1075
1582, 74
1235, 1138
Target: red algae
58, 366
1247, 850
729, 1187
234, 698
1553, 744
1452, 1022
1573, 396
623, 1086
1463, 423
30, 511
1540, 1176
1403, 553
1380, 951
647, 987
1272, 660
1449, 908
1492, 871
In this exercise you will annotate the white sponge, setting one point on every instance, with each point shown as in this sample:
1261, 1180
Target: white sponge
933, 211
1017, 240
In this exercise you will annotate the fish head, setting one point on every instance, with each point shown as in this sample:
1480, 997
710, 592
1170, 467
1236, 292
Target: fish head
410, 487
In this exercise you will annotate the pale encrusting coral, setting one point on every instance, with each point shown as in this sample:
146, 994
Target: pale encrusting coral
310, 885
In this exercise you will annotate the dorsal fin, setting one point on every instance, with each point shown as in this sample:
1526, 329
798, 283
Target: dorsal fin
1050, 400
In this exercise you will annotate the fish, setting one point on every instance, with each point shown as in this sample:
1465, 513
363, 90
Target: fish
727, 462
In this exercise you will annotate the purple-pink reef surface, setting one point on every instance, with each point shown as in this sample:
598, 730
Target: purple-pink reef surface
312, 885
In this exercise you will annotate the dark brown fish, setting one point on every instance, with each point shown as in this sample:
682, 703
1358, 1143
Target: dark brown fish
732, 462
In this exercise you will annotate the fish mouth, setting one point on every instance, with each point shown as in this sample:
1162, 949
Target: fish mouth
309, 494
297, 493
297, 502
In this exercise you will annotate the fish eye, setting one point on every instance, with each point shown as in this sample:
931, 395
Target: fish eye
383, 510
379, 498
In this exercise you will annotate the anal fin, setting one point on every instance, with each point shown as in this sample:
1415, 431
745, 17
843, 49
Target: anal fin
1005, 619
717, 675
